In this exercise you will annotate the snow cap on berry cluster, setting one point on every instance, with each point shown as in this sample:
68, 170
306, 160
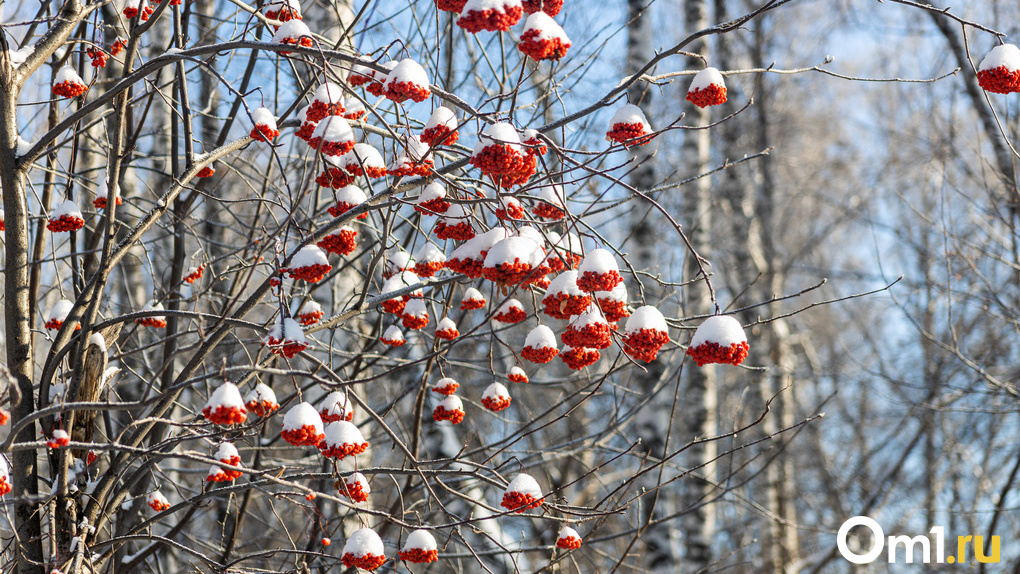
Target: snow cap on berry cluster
264, 117
648, 317
541, 337
68, 207
525, 484
1003, 55
309, 255
724, 330
499, 133
364, 542
291, 30
226, 395
706, 78
420, 540
631, 114
546, 27
335, 404
442, 116
342, 432
302, 415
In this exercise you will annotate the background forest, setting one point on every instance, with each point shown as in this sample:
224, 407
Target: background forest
853, 204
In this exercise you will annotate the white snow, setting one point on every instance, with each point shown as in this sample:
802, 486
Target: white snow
590, 317
496, 391
525, 484
381, 76
540, 337
417, 150
508, 201
364, 542
724, 330
291, 332
156, 497
500, 5
393, 333
398, 259
303, 114
552, 194
309, 255
446, 324
442, 116
353, 105
291, 30
261, 393
97, 339
60, 310
648, 317
570, 243
420, 540
19, 56
600, 261
546, 27
333, 129
335, 404
67, 74
565, 284
407, 70
303, 414
515, 249
153, 306
214, 470
434, 190
511, 304
23, 147
630, 114
428, 253
472, 249
341, 433
531, 233
416, 308
68, 207
363, 155
473, 294
499, 133
351, 194
226, 395
329, 93
457, 213
452, 403
516, 371
445, 382
278, 5
226, 451
619, 294
5, 470
707, 77
264, 117
1006, 55
401, 281
358, 479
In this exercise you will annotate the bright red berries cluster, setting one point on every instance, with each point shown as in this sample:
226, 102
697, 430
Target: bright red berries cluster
496, 404
519, 501
195, 274
511, 315
439, 135
342, 242
418, 555
579, 357
539, 48
550, 7
309, 273
628, 134
591, 281
98, 57
262, 408
451, 5
592, 335
65, 223
263, 133
365, 562
307, 435
401, 91
564, 305
541, 355
225, 415
354, 491
460, 231
455, 416
342, 450
1000, 80
492, 20
707, 353
644, 344
713, 95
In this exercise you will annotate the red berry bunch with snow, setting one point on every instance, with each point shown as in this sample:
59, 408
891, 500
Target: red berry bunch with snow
578, 358
540, 345
194, 274
509, 208
589, 329
355, 487
473, 299
447, 329
285, 339
364, 549
445, 386
364, 160
999, 71
420, 548
309, 264
206, 171
328, 100
393, 337
347, 198
429, 260
511, 312
155, 321
332, 136
449, 409
415, 315
66, 217
360, 75
5, 477
432, 199
293, 33
517, 375
551, 204
707, 89
523, 493
568, 539
225, 406
441, 129
543, 38
566, 252
416, 159
227, 454
342, 439
261, 400
217, 474
496, 397
157, 501
613, 303
720, 339
629, 127
563, 298
455, 224
265, 128
353, 109
490, 15
512, 260
307, 126
343, 241
500, 155
550, 7
59, 439
645, 333
395, 283
408, 80
310, 312
598, 272
470, 257
302, 426
57, 315
335, 407
283, 10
